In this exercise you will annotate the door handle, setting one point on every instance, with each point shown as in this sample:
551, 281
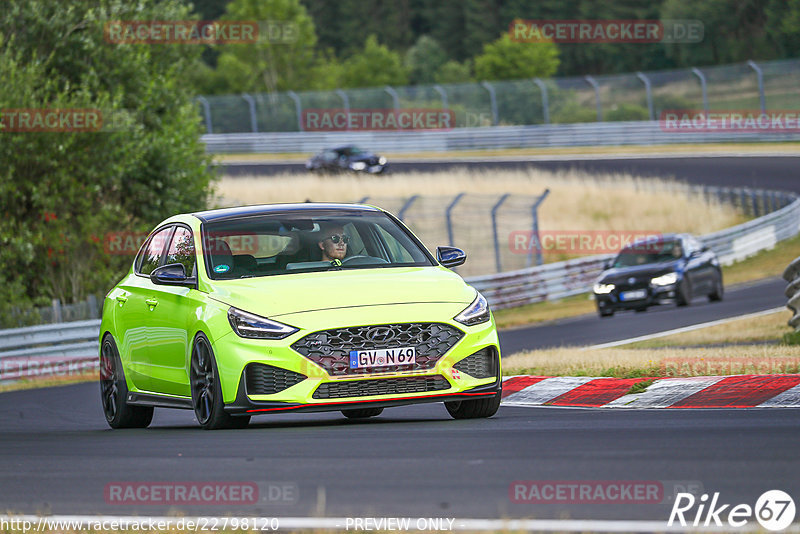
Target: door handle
151, 302
122, 299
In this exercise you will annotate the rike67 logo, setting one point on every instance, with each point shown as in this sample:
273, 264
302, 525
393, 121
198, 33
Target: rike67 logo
774, 510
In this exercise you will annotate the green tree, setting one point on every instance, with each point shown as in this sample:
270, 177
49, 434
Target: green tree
374, 66
506, 59
424, 59
454, 72
64, 192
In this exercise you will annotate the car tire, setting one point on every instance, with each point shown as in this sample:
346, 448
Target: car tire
719, 290
362, 413
605, 313
114, 391
209, 408
684, 296
474, 408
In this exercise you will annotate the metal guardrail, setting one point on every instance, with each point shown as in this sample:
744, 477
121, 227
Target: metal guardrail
47, 350
792, 275
73, 347
555, 281
538, 136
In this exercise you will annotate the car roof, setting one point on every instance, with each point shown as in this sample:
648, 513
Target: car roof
658, 238
267, 209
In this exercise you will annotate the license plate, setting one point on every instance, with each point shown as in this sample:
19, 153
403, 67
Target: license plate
633, 295
360, 359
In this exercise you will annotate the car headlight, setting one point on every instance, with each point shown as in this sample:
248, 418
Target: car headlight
381, 161
254, 326
475, 313
603, 289
665, 279
358, 166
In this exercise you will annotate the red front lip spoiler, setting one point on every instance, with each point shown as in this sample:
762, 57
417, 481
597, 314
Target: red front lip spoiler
283, 408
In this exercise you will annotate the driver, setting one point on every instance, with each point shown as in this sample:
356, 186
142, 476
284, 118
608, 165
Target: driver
333, 243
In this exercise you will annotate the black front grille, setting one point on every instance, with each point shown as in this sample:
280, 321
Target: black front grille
383, 386
330, 349
481, 364
262, 379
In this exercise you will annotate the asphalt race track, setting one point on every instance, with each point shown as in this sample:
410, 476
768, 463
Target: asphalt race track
58, 456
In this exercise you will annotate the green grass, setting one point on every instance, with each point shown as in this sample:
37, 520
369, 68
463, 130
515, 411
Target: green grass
640, 387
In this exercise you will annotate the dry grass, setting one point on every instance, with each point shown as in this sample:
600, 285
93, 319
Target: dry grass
544, 311
765, 264
50, 382
766, 328
631, 363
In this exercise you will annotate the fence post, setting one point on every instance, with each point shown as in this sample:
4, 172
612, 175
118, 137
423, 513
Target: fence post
703, 88
591, 81
395, 97
545, 103
494, 231
92, 300
535, 213
251, 102
363, 200
447, 214
760, 76
439, 89
492, 101
402, 213
56, 311
649, 94
298, 106
346, 103
207, 111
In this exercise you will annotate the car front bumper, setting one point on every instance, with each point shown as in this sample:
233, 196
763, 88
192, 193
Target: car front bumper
653, 296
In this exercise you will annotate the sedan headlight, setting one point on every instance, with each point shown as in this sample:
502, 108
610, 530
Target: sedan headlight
358, 166
254, 326
603, 289
475, 313
665, 279
381, 161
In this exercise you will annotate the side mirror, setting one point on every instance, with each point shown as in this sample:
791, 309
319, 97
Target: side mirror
608, 263
173, 274
450, 256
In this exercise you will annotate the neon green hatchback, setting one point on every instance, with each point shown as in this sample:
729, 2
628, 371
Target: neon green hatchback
293, 308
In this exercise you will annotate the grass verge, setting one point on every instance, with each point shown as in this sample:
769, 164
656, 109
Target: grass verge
49, 382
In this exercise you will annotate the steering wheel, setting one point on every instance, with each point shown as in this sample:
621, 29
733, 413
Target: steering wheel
358, 260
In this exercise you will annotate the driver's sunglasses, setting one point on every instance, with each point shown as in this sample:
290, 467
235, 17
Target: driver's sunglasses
335, 238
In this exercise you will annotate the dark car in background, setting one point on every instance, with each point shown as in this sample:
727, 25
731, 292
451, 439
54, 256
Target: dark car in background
673, 268
346, 158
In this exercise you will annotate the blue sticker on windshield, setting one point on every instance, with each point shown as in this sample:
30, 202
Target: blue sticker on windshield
222, 268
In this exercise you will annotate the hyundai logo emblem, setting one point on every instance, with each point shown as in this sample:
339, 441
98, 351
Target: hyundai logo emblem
631, 280
380, 334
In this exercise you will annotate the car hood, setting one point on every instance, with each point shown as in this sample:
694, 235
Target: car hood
649, 270
273, 296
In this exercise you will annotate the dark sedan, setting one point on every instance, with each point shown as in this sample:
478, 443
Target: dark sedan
672, 269
346, 158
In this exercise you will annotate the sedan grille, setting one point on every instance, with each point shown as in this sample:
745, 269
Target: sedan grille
479, 365
384, 386
330, 349
262, 379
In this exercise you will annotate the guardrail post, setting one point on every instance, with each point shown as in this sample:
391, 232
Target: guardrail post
545, 102
760, 76
207, 111
649, 94
363, 200
402, 213
298, 106
494, 231
346, 104
447, 214
92, 301
492, 101
535, 213
439, 89
703, 88
591, 81
251, 102
755, 203
395, 97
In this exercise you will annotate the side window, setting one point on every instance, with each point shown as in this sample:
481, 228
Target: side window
398, 252
151, 255
181, 249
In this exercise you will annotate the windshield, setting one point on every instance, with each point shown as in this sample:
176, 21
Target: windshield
642, 254
287, 243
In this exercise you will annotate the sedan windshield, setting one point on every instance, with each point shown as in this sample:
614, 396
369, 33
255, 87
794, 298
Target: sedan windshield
311, 240
642, 254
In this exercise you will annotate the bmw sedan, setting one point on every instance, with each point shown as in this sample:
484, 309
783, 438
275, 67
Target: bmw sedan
674, 268
347, 158
293, 308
